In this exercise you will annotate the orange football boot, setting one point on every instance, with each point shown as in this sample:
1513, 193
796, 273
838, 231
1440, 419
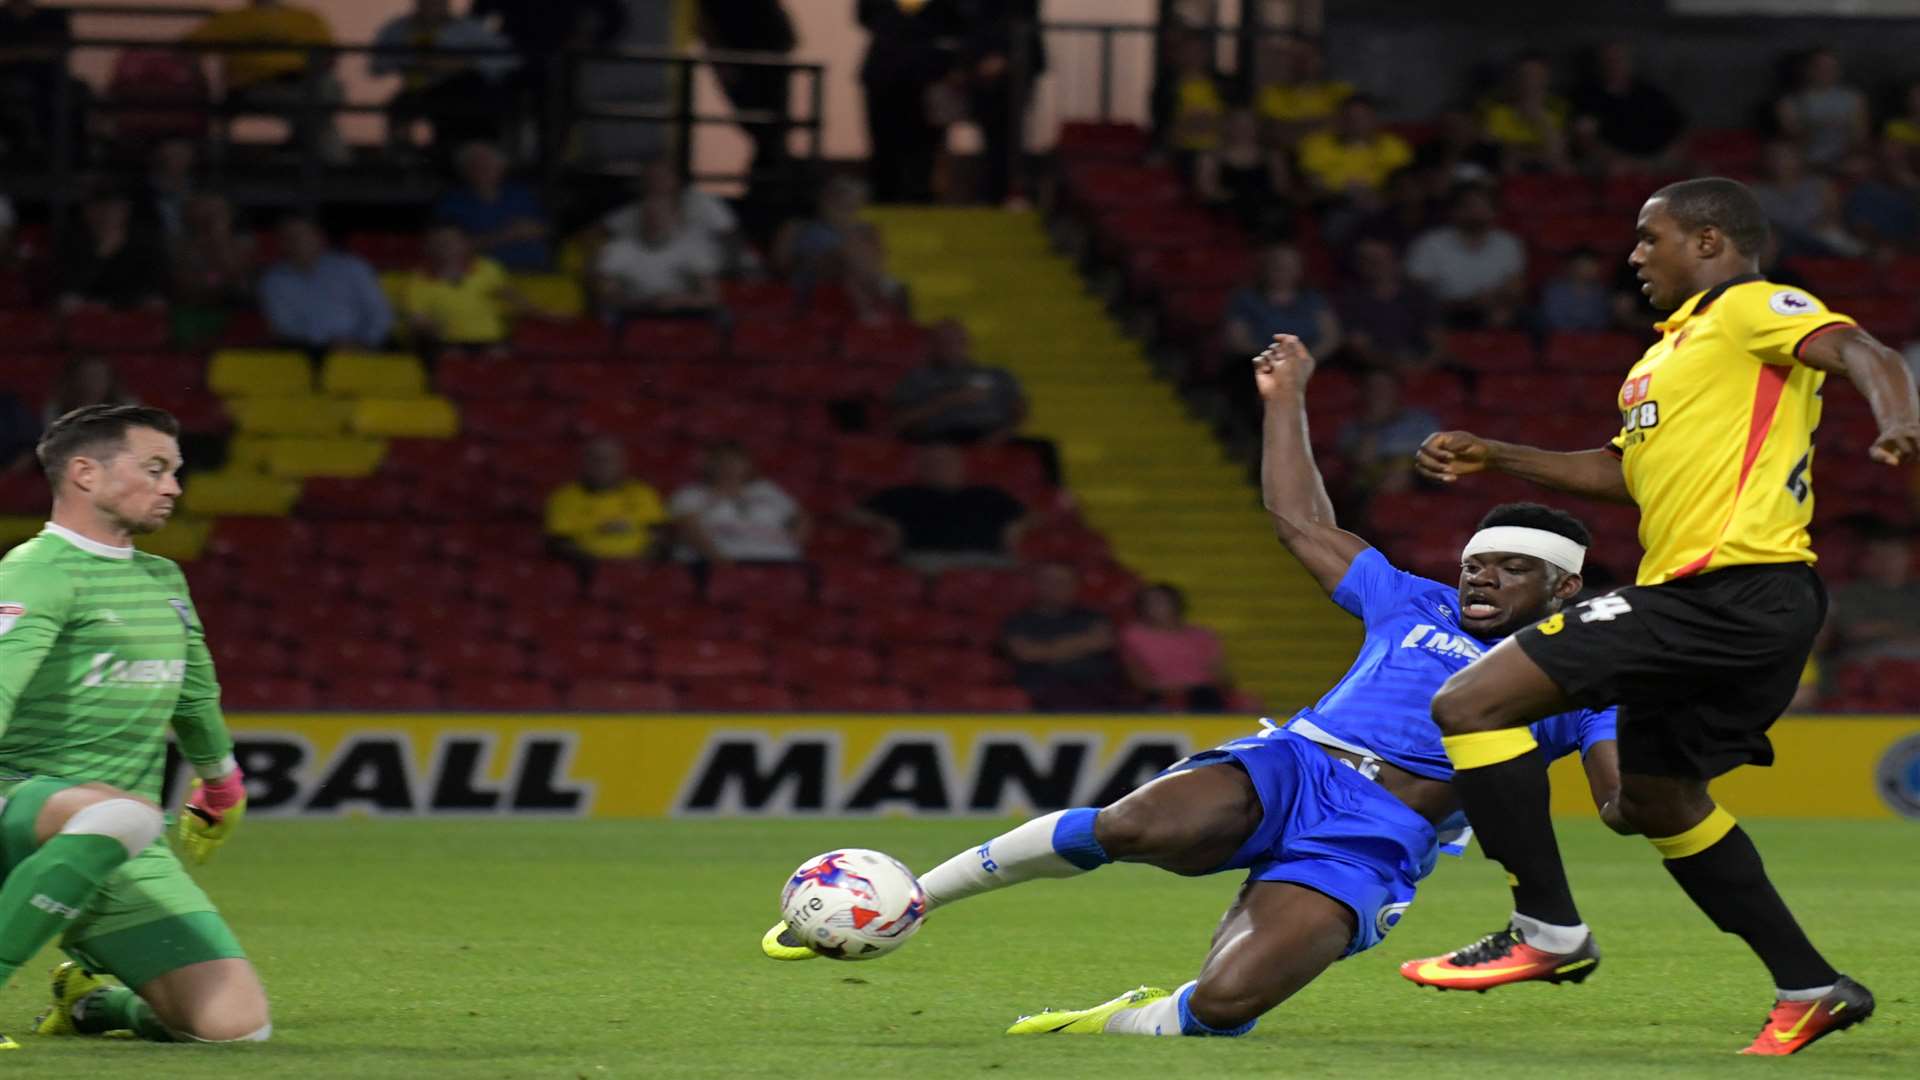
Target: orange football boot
1501, 958
1794, 1025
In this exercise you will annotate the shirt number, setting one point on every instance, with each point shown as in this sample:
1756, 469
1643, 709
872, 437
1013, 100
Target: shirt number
1604, 609
1644, 415
1797, 479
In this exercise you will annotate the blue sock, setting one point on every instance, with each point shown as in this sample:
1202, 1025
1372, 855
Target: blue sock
1193, 1025
1073, 839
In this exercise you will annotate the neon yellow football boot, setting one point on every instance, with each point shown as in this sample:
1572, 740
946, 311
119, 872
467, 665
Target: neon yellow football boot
71, 983
781, 943
8, 1044
1085, 1021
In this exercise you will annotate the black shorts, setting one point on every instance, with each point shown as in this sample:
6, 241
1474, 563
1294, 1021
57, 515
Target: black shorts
1700, 667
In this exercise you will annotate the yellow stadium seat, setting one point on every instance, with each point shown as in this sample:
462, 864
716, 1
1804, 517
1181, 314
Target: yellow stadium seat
290, 415
406, 418
298, 456
366, 374
260, 373
240, 492
556, 293
181, 540
15, 528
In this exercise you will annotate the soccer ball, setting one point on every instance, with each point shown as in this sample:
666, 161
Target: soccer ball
853, 904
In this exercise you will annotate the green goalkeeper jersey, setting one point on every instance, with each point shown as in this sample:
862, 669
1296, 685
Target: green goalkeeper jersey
100, 652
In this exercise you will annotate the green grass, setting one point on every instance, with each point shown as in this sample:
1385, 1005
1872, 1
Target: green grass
610, 949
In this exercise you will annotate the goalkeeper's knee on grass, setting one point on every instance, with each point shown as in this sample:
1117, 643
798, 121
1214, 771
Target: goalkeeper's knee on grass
51, 887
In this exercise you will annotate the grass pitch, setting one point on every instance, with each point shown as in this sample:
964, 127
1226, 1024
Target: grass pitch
611, 949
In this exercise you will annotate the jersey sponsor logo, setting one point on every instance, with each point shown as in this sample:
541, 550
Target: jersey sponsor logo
54, 907
1791, 302
107, 671
1435, 640
1898, 777
1635, 391
10, 613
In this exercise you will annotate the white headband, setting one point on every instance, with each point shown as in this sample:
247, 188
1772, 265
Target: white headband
1539, 543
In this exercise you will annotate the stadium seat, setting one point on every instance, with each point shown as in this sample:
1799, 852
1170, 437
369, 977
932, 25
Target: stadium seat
574, 337
405, 418
380, 579
302, 456
266, 694
1439, 392
616, 695
893, 345
557, 294
331, 654
29, 377
1890, 318
502, 695
240, 539
1084, 139
347, 497
696, 623
788, 341
1601, 352
924, 626
387, 250
968, 698
982, 592
475, 378
352, 373
99, 329
760, 299
586, 380
805, 664
856, 585
577, 659
198, 411
658, 340
638, 422
515, 421
856, 697
27, 330
163, 372
239, 493
724, 696
1491, 351
1539, 195
381, 695
246, 330
1726, 151
1832, 278
709, 660
303, 414
279, 373
923, 665
249, 656
765, 586
641, 585
517, 580
472, 657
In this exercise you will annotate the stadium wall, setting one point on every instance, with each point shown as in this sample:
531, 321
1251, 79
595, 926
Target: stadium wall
649, 766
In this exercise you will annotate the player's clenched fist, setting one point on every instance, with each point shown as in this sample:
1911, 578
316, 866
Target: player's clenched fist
1897, 444
1447, 456
1283, 366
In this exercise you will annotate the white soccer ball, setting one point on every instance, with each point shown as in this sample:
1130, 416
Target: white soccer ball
853, 904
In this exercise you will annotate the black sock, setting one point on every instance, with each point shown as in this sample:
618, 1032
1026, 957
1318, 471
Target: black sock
1729, 883
1507, 804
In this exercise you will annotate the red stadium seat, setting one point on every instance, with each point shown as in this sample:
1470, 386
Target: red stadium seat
982, 592
30, 378
771, 299
478, 378
1491, 351
505, 695
588, 380
1624, 194
804, 664
924, 626
1440, 392
381, 695
387, 251
515, 421
709, 659
162, 372
857, 585
659, 340
1083, 139
918, 666
695, 623
1611, 235
1600, 352
331, 657
1831, 278
581, 621
457, 658
351, 497
342, 617
1109, 185
846, 543
574, 337
98, 329
968, 698
384, 580
251, 539
576, 659
724, 696
641, 586
857, 697
28, 330
1537, 195
246, 329
1890, 318
894, 345
266, 694
250, 656
617, 695
516, 582
1726, 150
785, 341
759, 586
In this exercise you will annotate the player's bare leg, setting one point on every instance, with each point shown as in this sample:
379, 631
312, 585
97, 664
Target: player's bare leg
1501, 777
212, 1001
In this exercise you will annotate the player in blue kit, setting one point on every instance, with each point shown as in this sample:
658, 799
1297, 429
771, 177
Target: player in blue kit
1334, 815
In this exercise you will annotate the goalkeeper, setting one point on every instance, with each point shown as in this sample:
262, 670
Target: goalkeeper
100, 651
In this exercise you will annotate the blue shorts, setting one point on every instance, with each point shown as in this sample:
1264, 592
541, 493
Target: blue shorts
1328, 828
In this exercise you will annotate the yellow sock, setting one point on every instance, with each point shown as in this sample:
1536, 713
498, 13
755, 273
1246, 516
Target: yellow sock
1711, 830
1479, 749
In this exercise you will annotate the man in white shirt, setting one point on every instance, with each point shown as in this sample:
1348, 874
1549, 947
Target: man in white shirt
705, 218
662, 270
1475, 268
731, 515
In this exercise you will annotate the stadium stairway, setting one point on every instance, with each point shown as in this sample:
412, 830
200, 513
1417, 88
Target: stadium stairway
1148, 476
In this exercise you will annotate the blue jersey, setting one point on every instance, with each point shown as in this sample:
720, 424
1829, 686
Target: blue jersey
1414, 641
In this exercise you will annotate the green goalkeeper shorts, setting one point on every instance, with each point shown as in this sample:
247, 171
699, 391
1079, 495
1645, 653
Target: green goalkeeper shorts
149, 917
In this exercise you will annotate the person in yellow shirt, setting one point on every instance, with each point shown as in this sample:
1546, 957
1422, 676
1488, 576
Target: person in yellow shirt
607, 513
1905, 128
275, 82
1294, 95
1189, 102
458, 299
1354, 154
1706, 650
1527, 119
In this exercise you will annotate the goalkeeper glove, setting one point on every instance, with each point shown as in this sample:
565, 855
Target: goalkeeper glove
211, 811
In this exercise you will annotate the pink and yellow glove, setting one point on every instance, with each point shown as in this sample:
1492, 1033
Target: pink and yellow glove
211, 811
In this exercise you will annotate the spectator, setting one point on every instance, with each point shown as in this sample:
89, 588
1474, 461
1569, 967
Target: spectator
707, 223
278, 82
940, 521
1278, 303
1179, 666
106, 261
731, 515
1295, 95
954, 400
1578, 297
1803, 206
84, 381
213, 264
1390, 321
1063, 654
1189, 100
1824, 117
813, 250
1354, 153
754, 26
908, 55
876, 295
1459, 153
1878, 613
456, 84
160, 201
540, 30
1378, 446
1904, 127
1882, 206
998, 91
1472, 266
457, 299
319, 299
1631, 117
1255, 183
664, 270
606, 513
1401, 213
504, 218
33, 64
1526, 118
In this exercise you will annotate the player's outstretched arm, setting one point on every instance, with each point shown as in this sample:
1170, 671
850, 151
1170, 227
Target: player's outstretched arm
1290, 483
1882, 375
1447, 456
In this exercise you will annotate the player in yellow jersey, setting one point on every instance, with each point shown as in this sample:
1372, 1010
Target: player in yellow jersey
1704, 651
